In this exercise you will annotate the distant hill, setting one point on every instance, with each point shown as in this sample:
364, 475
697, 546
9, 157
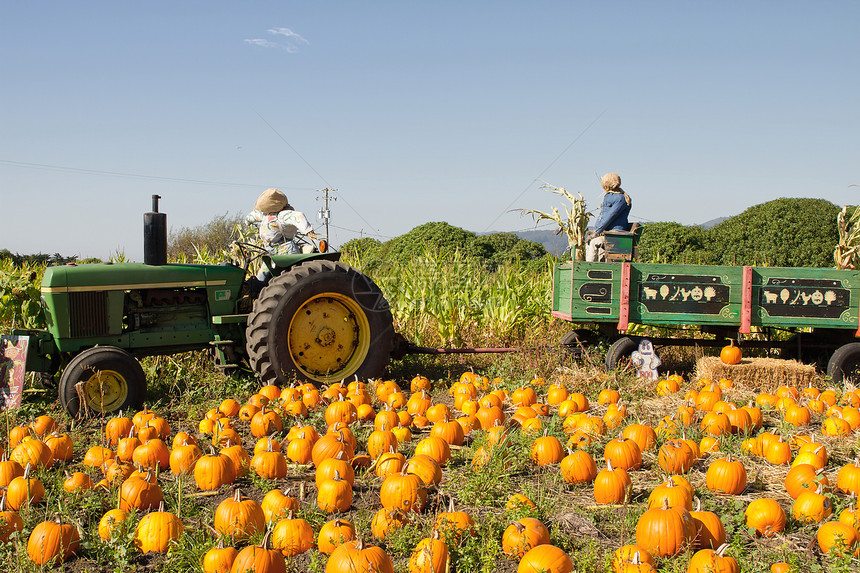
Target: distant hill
557, 244
713, 222
554, 244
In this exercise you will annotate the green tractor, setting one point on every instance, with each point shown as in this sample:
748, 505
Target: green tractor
316, 319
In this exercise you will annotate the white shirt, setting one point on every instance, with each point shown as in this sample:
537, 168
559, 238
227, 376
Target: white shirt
277, 230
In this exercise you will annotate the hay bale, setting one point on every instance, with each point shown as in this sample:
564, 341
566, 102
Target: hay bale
759, 374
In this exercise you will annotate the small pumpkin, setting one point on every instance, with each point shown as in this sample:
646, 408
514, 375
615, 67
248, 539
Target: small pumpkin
10, 521
278, 504
665, 531
333, 534
334, 494
611, 485
403, 491
811, 507
24, 490
731, 354
711, 561
112, 522
219, 559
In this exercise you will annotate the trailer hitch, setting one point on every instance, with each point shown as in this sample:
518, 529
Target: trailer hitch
402, 347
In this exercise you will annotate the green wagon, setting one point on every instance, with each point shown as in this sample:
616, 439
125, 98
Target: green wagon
821, 307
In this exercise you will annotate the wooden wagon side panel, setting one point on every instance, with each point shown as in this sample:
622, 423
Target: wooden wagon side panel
805, 297
686, 294
587, 292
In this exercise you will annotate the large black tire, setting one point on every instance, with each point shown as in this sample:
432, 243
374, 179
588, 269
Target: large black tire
619, 353
106, 377
322, 321
845, 364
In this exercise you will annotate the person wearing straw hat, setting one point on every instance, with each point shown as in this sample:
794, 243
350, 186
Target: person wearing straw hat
613, 216
278, 223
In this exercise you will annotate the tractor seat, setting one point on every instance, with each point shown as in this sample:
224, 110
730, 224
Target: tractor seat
621, 246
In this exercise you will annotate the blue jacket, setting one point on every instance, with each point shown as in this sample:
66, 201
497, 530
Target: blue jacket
613, 214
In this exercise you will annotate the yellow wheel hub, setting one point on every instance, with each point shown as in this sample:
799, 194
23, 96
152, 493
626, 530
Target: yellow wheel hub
105, 391
329, 337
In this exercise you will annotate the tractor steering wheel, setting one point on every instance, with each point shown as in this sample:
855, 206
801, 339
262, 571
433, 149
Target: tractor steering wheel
249, 253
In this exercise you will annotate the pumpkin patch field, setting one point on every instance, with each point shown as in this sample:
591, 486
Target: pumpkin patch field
529, 462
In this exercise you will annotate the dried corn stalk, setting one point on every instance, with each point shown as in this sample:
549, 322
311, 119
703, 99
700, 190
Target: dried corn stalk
847, 252
573, 225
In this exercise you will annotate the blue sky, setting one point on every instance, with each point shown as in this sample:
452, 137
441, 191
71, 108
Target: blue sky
415, 111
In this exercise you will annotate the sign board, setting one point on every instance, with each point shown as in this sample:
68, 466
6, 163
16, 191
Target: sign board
13, 362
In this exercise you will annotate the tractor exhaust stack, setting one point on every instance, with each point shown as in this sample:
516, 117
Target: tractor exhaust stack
155, 235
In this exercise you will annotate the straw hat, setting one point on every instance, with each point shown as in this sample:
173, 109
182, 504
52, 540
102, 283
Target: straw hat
611, 182
271, 201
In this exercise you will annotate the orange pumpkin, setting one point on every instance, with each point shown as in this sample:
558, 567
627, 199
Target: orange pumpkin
731, 354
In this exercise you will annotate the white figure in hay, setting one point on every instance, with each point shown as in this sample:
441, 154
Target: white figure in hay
645, 360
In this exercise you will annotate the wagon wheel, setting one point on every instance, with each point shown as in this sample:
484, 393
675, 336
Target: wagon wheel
103, 379
845, 363
619, 353
581, 336
321, 321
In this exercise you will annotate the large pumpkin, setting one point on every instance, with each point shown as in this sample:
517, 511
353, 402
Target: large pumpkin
766, 516
356, 557
523, 535
546, 559
51, 541
239, 517
259, 558
333, 534
665, 531
430, 556
404, 492
156, 531
292, 536
726, 475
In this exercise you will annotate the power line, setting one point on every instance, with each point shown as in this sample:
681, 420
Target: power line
66, 169
361, 232
340, 195
551, 163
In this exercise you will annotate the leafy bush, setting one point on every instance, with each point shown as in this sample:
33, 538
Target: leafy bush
20, 295
674, 243
784, 232
445, 240
780, 233
212, 237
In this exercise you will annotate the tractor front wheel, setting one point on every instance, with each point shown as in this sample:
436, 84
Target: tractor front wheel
322, 321
103, 379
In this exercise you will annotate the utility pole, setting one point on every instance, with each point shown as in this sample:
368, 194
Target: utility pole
324, 212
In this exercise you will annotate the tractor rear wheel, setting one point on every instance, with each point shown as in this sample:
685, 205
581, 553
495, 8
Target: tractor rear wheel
103, 379
322, 321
